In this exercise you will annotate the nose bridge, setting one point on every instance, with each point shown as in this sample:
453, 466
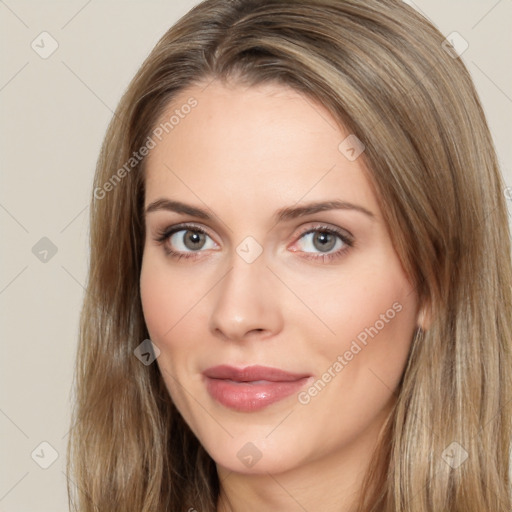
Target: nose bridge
245, 300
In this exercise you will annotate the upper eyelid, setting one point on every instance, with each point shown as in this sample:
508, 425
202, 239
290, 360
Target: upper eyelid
186, 226
324, 226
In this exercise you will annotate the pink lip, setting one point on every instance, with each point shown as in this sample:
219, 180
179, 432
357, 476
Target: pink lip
251, 388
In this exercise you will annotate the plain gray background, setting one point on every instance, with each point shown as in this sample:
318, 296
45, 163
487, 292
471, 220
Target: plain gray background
55, 111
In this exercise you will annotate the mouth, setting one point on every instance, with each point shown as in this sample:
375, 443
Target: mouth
252, 388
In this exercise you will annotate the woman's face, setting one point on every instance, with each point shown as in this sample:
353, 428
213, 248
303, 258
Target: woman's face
280, 259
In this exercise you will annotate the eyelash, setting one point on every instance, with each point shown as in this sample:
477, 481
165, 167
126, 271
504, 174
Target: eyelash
164, 234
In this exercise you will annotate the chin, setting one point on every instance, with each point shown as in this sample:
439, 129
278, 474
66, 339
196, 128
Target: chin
256, 458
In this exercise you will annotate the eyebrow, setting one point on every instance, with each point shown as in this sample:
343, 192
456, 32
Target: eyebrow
288, 213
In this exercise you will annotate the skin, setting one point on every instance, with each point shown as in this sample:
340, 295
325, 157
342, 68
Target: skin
243, 153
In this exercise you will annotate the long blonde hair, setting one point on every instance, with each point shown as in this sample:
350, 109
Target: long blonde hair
382, 71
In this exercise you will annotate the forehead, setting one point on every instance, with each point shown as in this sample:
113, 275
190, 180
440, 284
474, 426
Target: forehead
249, 148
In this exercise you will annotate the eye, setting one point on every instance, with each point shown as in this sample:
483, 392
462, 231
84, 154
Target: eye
187, 239
183, 241
328, 241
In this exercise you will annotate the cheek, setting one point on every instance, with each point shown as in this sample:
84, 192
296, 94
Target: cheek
371, 313
157, 305
359, 367
167, 296
171, 304
165, 303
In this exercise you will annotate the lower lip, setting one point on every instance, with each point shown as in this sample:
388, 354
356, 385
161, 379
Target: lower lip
247, 397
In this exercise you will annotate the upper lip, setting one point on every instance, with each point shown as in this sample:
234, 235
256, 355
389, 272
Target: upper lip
252, 373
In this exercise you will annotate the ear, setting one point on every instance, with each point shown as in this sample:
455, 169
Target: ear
424, 317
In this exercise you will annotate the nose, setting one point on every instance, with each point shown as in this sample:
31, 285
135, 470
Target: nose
246, 302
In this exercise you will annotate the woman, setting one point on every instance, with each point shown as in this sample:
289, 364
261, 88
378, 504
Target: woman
299, 294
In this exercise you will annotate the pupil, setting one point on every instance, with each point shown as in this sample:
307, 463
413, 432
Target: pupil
326, 243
